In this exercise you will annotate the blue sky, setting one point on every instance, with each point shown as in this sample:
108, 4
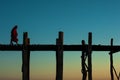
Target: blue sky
48, 17
43, 19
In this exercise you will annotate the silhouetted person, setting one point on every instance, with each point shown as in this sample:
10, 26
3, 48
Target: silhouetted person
14, 35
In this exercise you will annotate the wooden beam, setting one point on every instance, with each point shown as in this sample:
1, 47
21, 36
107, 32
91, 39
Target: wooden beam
83, 58
59, 57
25, 57
52, 47
90, 56
111, 61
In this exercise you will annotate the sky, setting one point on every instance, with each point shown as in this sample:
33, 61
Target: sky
43, 19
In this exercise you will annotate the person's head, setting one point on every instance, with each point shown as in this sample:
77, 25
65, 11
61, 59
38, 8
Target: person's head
15, 26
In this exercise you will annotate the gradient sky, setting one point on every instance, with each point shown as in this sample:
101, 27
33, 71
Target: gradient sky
43, 19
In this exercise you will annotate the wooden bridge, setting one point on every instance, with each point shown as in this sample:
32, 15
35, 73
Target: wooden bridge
59, 47
52, 47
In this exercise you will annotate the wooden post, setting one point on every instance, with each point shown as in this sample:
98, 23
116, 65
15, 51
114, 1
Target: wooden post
84, 71
25, 57
90, 56
111, 62
59, 57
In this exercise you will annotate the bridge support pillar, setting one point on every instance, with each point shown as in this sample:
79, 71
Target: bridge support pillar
90, 56
25, 57
87, 69
111, 61
84, 69
59, 57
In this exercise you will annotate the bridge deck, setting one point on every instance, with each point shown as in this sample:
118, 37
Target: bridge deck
52, 47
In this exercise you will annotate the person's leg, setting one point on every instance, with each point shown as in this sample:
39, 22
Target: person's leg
16, 40
11, 43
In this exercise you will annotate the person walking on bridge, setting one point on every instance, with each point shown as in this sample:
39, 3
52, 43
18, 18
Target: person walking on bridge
14, 35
